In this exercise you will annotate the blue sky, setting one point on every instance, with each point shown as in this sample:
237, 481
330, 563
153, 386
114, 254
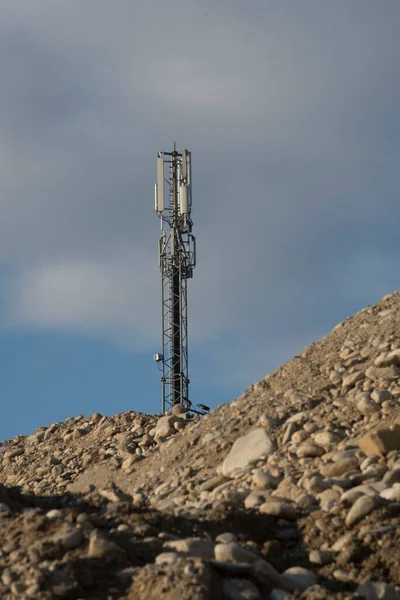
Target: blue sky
292, 113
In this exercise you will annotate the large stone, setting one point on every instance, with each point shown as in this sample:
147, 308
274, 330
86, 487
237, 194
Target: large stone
247, 449
383, 373
381, 442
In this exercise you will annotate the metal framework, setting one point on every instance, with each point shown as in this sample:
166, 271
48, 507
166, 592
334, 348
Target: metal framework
177, 259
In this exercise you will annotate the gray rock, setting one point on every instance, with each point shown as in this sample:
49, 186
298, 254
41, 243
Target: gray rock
212, 483
234, 553
255, 499
240, 589
279, 595
366, 406
101, 547
361, 508
366, 489
350, 380
298, 578
377, 590
192, 547
340, 467
282, 510
309, 449
319, 557
167, 558
383, 373
226, 538
392, 493
392, 477
380, 396
247, 449
71, 539
264, 481
289, 431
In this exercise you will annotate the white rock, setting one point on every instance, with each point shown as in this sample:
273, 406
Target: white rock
247, 449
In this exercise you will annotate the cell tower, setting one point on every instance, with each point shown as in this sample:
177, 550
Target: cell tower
177, 259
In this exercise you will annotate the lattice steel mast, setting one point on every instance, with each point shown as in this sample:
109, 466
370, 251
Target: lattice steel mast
177, 259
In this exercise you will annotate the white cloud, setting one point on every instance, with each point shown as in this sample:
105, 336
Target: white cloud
291, 116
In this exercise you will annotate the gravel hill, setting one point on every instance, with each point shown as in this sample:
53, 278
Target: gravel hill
290, 491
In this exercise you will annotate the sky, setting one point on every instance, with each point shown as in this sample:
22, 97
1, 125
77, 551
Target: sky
292, 113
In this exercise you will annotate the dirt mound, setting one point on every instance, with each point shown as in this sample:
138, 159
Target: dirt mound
290, 491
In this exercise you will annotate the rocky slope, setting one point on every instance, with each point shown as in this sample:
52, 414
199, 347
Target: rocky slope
290, 491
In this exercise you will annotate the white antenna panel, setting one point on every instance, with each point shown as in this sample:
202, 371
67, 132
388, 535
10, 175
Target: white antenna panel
184, 163
160, 185
183, 200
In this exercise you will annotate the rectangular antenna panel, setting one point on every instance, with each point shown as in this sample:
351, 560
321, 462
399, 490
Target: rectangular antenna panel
160, 185
183, 200
184, 163
189, 167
